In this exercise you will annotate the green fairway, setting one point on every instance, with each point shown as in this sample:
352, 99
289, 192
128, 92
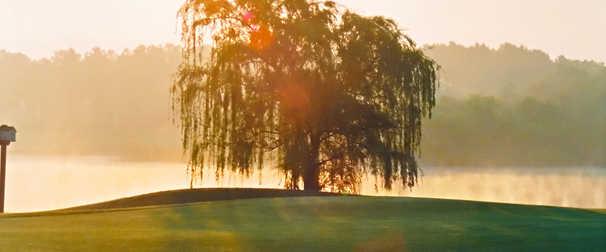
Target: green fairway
328, 223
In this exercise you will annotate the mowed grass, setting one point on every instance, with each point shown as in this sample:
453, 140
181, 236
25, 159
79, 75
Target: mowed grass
310, 223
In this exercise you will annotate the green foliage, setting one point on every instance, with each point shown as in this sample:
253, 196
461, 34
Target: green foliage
514, 106
322, 94
488, 131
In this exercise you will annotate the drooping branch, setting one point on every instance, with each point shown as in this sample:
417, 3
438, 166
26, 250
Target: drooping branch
293, 78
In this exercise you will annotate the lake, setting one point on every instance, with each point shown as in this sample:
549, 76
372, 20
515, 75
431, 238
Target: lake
36, 183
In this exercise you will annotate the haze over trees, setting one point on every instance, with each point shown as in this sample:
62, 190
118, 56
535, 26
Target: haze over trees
100, 103
491, 111
515, 106
322, 94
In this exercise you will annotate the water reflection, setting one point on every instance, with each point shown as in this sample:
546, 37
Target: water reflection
42, 183
559, 186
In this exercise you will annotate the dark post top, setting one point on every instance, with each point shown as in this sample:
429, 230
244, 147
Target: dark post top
5, 127
7, 134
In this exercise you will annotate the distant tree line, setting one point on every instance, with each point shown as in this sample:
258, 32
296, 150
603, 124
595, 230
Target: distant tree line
515, 106
483, 130
98, 103
505, 106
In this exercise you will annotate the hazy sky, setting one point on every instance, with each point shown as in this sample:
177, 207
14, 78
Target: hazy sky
576, 29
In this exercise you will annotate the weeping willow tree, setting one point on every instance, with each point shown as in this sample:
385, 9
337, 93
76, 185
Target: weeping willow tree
308, 87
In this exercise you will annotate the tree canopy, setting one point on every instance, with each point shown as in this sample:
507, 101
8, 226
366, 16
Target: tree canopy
313, 89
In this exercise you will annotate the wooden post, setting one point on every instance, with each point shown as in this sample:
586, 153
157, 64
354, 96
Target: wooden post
7, 135
2, 174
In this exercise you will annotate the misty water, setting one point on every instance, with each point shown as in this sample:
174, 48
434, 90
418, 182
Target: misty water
37, 183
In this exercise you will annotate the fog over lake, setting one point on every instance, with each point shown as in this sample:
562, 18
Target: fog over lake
37, 183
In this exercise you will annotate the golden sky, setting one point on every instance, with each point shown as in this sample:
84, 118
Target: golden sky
560, 27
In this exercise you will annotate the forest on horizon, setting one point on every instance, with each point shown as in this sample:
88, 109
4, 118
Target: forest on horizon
497, 107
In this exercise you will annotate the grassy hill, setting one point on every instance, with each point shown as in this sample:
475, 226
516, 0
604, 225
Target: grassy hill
196, 195
330, 223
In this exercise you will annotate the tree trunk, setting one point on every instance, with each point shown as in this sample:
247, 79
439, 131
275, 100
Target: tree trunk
311, 179
311, 175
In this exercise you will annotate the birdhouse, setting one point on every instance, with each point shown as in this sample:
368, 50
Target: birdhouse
8, 134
